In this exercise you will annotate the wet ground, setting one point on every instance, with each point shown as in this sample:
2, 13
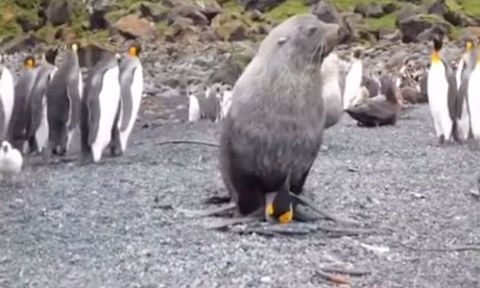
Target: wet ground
111, 224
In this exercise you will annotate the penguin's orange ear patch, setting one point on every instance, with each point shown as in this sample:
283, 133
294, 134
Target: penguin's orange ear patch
436, 57
133, 51
469, 45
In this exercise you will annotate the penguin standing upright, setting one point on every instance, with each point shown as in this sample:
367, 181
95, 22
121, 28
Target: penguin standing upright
465, 66
331, 92
6, 97
131, 85
210, 104
100, 105
64, 95
353, 80
442, 94
37, 123
193, 107
226, 101
23, 88
471, 85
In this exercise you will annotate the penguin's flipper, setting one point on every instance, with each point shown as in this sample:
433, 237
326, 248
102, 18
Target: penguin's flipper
74, 98
93, 116
126, 80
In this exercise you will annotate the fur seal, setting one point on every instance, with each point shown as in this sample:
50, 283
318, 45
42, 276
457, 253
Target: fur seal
274, 129
379, 110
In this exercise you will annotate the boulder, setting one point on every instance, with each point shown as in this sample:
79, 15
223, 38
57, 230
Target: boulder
183, 30
58, 12
328, 14
229, 27
30, 21
261, 5
450, 10
191, 11
412, 27
97, 9
20, 44
374, 10
157, 12
132, 26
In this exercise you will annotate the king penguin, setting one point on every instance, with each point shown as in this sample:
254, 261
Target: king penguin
23, 88
465, 67
471, 83
6, 97
37, 123
131, 85
64, 95
442, 94
100, 105
353, 80
331, 92
226, 101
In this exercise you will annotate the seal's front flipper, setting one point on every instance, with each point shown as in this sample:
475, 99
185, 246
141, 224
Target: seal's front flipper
209, 212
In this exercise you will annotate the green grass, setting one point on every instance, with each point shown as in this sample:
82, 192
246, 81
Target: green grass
386, 22
232, 7
286, 9
471, 7
349, 5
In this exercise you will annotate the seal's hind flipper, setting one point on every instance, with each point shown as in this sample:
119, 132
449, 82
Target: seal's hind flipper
217, 200
209, 212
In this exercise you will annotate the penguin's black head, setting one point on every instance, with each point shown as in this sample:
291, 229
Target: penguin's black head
358, 54
51, 55
6, 147
437, 42
29, 62
134, 50
280, 207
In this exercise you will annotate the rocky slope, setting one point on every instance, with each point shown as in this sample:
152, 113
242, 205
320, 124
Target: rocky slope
28, 23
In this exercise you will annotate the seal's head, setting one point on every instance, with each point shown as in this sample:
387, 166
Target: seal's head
302, 40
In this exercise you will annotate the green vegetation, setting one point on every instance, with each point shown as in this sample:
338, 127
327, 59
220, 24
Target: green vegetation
349, 5
286, 9
471, 8
384, 22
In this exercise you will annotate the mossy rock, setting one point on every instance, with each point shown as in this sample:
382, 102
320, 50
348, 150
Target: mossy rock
157, 12
286, 10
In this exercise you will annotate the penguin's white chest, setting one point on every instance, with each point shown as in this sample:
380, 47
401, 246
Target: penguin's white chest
193, 109
474, 101
6, 95
353, 81
438, 99
226, 103
458, 74
108, 101
10, 162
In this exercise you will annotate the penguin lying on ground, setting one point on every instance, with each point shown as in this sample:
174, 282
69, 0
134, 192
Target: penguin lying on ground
100, 104
64, 95
379, 110
11, 161
6, 97
23, 88
442, 95
37, 122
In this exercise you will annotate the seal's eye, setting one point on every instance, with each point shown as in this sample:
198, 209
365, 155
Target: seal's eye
312, 30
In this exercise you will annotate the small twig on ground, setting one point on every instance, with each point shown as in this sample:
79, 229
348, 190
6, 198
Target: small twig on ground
344, 271
448, 249
210, 144
337, 279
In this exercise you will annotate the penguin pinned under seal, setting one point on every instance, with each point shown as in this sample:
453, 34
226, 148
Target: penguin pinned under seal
23, 88
100, 105
6, 97
353, 80
131, 85
64, 96
37, 122
442, 94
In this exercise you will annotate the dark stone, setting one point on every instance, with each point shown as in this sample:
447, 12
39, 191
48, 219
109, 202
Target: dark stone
261, 5
31, 24
414, 26
369, 10
20, 44
58, 12
328, 14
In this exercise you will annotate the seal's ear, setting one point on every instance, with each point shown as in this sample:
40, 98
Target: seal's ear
282, 40
312, 30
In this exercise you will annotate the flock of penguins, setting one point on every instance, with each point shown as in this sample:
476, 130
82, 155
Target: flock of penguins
46, 105
273, 118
